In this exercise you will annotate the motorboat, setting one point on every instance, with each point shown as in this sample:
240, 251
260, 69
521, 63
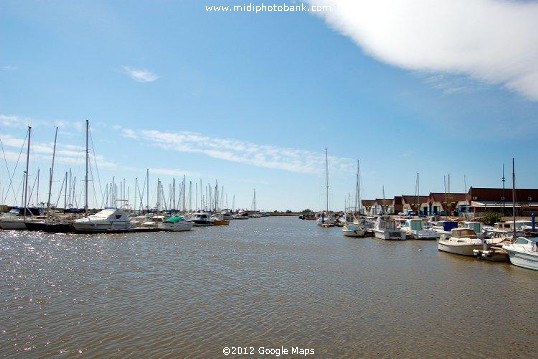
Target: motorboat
241, 215
218, 220
108, 220
414, 228
353, 230
176, 224
461, 241
385, 228
227, 214
148, 223
15, 219
523, 252
201, 219
12, 220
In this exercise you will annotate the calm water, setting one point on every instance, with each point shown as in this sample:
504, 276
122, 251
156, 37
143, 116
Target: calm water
269, 282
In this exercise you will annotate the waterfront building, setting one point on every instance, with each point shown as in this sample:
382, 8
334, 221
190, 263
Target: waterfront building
499, 200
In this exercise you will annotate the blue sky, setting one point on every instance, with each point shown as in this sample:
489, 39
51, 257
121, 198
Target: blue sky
252, 99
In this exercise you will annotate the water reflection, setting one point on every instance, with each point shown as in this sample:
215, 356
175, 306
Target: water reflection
268, 282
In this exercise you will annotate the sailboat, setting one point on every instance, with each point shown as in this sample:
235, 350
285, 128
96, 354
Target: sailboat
523, 252
254, 213
326, 220
53, 223
493, 248
354, 228
109, 220
14, 219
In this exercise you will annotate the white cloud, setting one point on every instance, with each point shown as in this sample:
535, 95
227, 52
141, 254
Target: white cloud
288, 159
9, 68
14, 121
493, 41
140, 75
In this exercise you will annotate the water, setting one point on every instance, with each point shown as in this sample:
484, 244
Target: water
269, 282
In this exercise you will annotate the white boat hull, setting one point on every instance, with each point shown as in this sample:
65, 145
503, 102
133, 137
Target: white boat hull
458, 248
425, 234
356, 233
527, 260
176, 227
389, 235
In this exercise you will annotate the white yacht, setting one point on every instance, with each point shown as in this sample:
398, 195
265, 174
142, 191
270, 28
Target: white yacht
201, 219
523, 252
461, 241
385, 228
108, 220
13, 219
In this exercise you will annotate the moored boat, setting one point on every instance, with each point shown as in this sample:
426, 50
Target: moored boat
218, 220
109, 220
414, 228
523, 252
201, 219
176, 224
353, 230
462, 241
385, 228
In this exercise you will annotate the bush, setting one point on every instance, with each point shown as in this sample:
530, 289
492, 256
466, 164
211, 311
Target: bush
491, 217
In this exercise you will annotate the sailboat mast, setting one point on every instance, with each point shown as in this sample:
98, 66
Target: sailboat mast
357, 189
87, 167
52, 169
514, 196
147, 190
327, 181
26, 172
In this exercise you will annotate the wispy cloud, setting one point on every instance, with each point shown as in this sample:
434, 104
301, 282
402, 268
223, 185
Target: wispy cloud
451, 84
489, 40
8, 68
67, 154
140, 75
42, 151
267, 156
14, 121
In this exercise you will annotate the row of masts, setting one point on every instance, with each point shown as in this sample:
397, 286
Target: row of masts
208, 197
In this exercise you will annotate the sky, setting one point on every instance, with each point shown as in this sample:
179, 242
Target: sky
249, 101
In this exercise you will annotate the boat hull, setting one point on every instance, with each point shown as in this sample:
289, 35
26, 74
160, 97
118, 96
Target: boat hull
353, 231
522, 259
13, 224
461, 249
425, 235
102, 227
176, 227
389, 235
50, 227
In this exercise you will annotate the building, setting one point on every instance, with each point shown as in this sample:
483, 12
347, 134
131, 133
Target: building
483, 200
418, 204
440, 203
